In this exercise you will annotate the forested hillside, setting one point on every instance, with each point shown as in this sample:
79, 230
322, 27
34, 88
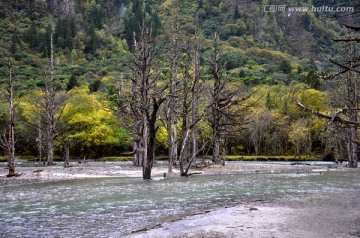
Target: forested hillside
268, 61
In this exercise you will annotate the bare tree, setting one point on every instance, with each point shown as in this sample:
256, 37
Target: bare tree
8, 138
224, 117
348, 99
195, 93
149, 97
222, 99
48, 108
135, 110
173, 99
53, 108
191, 88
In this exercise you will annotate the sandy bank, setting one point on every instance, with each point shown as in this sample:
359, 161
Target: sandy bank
310, 216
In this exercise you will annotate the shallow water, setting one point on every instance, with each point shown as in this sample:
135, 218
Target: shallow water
113, 207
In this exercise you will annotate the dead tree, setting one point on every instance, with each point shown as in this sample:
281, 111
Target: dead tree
195, 91
149, 97
8, 138
348, 99
50, 108
224, 116
172, 98
189, 96
221, 102
135, 110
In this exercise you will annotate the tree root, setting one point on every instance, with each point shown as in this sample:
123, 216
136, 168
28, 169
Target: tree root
13, 175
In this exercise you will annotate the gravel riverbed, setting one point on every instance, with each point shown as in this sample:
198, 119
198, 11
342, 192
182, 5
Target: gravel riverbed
33, 173
326, 214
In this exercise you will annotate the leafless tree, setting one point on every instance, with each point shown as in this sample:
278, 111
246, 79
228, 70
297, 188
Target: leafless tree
347, 101
8, 138
222, 101
53, 106
172, 113
148, 97
195, 94
48, 109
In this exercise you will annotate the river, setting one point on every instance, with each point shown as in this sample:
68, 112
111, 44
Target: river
112, 207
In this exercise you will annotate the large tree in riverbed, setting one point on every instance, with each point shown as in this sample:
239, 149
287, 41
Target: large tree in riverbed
147, 98
223, 100
8, 138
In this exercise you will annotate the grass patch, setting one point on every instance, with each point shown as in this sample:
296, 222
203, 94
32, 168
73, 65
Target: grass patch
115, 158
270, 158
29, 158
2, 159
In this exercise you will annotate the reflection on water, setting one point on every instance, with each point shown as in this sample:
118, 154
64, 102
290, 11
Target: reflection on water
113, 207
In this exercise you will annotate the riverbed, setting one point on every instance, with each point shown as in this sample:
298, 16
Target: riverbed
118, 206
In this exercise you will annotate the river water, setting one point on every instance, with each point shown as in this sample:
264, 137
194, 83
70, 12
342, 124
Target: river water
112, 207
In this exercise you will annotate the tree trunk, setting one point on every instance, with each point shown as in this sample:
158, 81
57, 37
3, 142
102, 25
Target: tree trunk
50, 152
150, 151
183, 153
40, 141
216, 150
50, 108
353, 161
11, 141
67, 154
195, 98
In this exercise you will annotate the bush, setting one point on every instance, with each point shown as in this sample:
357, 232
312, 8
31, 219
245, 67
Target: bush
285, 67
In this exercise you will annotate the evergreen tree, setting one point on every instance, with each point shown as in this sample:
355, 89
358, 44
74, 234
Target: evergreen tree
312, 79
91, 46
285, 67
269, 102
14, 43
307, 21
95, 85
94, 14
59, 33
46, 44
33, 36
200, 4
72, 83
141, 12
236, 13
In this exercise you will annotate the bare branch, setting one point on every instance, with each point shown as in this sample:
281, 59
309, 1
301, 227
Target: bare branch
335, 118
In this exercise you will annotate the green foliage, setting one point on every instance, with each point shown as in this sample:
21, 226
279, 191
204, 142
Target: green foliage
14, 43
236, 13
141, 12
312, 79
94, 14
64, 34
307, 21
46, 42
73, 82
285, 67
95, 85
32, 36
92, 45
89, 124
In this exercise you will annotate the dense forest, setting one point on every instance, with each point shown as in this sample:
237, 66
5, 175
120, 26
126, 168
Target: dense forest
94, 78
